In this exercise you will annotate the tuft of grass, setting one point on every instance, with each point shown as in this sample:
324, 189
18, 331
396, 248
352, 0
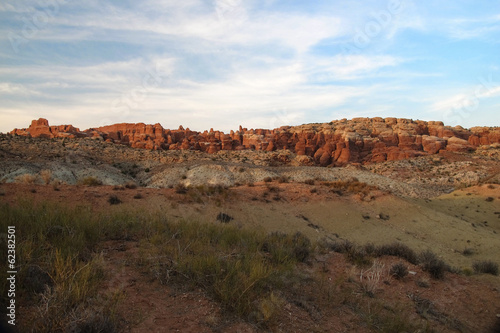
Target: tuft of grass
399, 270
485, 267
431, 264
89, 181
138, 196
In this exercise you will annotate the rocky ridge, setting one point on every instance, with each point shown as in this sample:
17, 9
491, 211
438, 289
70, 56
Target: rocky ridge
359, 140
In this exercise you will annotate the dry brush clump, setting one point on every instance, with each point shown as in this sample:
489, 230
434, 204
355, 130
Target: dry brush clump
26, 178
46, 176
89, 181
433, 265
485, 267
399, 270
353, 186
369, 279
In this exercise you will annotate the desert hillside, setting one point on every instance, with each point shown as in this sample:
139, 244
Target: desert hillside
356, 197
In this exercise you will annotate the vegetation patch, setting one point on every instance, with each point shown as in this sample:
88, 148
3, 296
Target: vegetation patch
89, 181
485, 267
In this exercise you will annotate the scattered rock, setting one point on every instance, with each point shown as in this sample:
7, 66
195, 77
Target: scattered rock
383, 216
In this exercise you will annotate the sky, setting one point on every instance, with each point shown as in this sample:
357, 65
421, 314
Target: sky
256, 63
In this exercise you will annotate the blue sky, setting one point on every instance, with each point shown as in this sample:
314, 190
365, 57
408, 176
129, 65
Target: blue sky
258, 63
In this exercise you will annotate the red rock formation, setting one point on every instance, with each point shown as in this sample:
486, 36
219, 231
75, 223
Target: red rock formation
40, 129
360, 140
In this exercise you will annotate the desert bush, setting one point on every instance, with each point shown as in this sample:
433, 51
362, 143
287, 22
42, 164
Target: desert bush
431, 264
342, 246
485, 267
309, 182
181, 189
359, 257
468, 252
26, 178
131, 185
268, 179
370, 249
352, 185
89, 181
46, 176
284, 248
224, 218
114, 200
398, 250
282, 179
399, 270
138, 196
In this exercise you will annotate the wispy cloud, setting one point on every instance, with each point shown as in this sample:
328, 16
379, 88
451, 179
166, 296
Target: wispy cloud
229, 62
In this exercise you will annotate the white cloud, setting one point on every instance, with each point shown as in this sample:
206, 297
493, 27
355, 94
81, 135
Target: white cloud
7, 88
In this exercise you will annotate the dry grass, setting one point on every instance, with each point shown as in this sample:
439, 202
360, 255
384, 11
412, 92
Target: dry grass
369, 279
46, 176
352, 186
26, 178
89, 181
485, 267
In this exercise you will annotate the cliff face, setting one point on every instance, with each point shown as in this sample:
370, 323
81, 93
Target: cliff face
360, 140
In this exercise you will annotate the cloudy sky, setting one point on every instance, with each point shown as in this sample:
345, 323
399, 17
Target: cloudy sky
258, 63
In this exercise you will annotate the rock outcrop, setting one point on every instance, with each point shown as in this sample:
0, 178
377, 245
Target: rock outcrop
360, 140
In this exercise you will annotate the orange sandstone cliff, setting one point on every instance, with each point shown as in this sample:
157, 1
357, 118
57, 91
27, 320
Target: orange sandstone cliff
359, 140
